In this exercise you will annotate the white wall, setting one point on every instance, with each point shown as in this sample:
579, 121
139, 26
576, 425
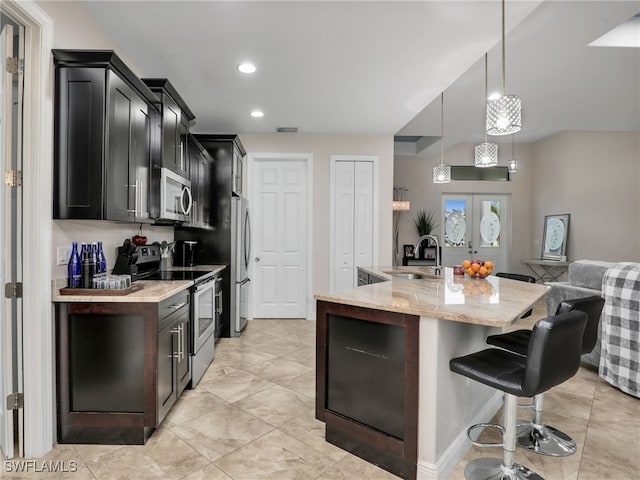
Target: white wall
416, 174
322, 147
595, 177
75, 29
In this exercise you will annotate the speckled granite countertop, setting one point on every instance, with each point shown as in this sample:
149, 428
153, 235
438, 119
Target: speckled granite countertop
494, 301
153, 290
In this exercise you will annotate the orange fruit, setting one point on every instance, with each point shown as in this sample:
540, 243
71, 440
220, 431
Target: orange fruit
483, 271
466, 263
489, 265
470, 271
475, 267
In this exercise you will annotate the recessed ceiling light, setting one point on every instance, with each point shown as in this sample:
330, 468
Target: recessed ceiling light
494, 96
257, 114
247, 68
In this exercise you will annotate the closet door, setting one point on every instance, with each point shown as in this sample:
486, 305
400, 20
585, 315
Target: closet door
353, 226
343, 231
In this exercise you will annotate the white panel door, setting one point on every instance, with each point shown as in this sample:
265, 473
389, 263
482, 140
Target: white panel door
344, 225
6, 311
280, 285
476, 226
363, 217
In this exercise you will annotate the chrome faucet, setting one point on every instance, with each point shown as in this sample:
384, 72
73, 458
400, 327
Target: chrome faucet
435, 239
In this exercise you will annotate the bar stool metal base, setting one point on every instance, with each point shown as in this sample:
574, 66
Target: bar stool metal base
493, 469
545, 440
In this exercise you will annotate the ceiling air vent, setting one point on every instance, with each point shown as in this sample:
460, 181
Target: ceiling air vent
287, 129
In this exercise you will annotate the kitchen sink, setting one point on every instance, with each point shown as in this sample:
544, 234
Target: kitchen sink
407, 276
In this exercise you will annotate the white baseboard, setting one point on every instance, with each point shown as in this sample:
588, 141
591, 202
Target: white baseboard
459, 447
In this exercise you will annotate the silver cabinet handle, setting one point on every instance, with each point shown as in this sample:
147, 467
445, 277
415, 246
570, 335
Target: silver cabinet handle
181, 341
178, 306
257, 259
135, 201
176, 354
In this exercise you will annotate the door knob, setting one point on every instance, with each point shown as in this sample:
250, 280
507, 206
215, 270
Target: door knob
257, 259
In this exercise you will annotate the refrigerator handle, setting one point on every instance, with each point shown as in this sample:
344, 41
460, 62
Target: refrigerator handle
247, 239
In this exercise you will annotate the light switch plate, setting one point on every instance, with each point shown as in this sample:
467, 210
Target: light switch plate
63, 255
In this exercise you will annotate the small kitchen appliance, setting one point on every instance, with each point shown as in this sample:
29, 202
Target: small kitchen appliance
185, 253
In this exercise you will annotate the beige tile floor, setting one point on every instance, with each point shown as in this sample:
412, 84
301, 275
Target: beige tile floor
252, 417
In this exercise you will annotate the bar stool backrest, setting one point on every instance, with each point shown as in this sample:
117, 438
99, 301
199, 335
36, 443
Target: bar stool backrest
516, 276
592, 306
554, 351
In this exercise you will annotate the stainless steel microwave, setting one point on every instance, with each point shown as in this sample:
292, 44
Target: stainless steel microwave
175, 197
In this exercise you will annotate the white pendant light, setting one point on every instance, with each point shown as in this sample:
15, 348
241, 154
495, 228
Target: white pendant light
513, 163
486, 154
442, 172
504, 114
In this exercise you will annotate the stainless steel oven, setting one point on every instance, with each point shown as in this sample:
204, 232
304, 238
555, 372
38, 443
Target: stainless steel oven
207, 304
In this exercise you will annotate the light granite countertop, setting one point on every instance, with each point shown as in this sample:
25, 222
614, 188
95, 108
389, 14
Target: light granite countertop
153, 291
494, 301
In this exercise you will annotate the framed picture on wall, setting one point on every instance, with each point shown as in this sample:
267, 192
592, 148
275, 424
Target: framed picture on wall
554, 238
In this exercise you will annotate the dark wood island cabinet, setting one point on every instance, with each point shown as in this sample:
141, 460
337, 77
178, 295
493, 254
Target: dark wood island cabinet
367, 383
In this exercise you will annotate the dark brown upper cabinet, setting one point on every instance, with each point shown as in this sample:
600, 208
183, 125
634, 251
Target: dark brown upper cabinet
176, 119
200, 168
104, 130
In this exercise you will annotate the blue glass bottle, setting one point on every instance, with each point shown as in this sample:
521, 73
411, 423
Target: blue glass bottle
102, 261
73, 267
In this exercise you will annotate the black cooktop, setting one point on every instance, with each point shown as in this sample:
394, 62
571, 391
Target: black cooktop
176, 275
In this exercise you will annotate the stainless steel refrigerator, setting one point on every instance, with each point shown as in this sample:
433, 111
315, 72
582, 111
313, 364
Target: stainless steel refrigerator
228, 240
242, 242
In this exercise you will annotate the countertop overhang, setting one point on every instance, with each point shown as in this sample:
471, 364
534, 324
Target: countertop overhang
154, 291
493, 301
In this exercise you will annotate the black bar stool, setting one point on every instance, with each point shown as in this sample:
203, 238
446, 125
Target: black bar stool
535, 435
553, 356
521, 278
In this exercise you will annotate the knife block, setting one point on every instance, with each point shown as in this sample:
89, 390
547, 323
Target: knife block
122, 266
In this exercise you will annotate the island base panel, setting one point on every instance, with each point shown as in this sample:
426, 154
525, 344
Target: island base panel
369, 444
104, 435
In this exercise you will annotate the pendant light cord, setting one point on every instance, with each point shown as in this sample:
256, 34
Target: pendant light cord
442, 126
503, 54
486, 90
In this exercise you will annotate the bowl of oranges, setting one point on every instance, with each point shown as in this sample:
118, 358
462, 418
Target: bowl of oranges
477, 268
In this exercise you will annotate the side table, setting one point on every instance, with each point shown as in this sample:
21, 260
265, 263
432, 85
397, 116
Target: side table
546, 270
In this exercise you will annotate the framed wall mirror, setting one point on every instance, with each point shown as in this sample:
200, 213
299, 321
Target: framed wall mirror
554, 238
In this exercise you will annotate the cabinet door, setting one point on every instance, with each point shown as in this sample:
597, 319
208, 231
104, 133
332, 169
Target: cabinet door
79, 136
183, 132
183, 371
171, 115
205, 189
140, 163
121, 188
167, 375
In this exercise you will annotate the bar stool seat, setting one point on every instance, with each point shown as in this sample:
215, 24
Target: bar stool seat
553, 356
534, 435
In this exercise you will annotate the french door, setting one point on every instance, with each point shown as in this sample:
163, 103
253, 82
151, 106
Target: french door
11, 92
476, 226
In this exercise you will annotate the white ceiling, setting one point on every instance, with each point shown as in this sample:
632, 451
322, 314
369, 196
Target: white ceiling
371, 67
325, 67
564, 84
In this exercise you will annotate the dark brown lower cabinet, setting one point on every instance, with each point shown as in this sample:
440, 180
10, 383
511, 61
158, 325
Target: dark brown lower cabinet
114, 362
367, 384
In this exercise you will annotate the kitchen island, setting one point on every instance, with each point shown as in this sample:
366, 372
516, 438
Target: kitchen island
383, 385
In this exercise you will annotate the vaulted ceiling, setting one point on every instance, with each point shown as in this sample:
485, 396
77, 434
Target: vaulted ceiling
376, 67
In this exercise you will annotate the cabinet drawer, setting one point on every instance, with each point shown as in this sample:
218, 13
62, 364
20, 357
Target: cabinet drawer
168, 307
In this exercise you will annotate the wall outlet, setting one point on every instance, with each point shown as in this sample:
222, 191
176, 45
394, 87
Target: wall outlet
63, 255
